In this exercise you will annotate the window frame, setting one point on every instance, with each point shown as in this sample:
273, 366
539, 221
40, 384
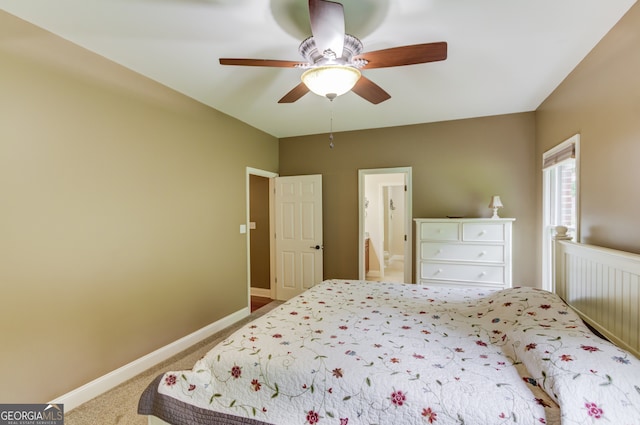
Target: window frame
555, 158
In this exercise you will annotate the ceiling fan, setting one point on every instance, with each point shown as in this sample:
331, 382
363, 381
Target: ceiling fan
334, 58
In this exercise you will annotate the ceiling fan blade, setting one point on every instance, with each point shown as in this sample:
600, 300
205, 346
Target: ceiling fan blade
295, 94
405, 55
370, 91
327, 25
259, 62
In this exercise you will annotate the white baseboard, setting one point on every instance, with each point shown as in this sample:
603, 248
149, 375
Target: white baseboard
261, 292
112, 379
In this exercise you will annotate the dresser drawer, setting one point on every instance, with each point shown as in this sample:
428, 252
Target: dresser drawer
460, 252
483, 232
439, 231
486, 274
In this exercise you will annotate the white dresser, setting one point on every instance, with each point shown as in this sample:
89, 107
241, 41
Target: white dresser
464, 252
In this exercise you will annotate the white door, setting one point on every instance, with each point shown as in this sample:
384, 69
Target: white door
298, 202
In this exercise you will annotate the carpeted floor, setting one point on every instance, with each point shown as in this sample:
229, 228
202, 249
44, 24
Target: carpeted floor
120, 405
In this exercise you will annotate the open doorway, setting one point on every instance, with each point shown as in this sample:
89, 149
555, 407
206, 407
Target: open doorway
259, 241
385, 224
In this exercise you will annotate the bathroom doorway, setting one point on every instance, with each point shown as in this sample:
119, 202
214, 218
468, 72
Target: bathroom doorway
385, 224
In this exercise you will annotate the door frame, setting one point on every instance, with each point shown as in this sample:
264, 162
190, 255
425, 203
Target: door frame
408, 252
271, 176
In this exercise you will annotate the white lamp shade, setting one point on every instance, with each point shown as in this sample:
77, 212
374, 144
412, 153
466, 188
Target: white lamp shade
331, 80
495, 202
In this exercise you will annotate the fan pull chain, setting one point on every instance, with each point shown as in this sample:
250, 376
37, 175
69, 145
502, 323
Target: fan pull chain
331, 127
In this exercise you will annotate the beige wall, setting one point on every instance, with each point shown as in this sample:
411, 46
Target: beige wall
600, 100
457, 166
120, 206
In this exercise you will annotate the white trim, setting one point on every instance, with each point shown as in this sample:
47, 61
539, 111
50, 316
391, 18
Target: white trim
272, 238
99, 386
261, 292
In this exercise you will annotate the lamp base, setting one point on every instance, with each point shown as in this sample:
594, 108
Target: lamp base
495, 213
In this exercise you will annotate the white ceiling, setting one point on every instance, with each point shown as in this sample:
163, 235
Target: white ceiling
504, 56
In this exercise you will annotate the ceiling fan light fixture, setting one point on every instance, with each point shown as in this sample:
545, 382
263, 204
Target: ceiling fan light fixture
331, 80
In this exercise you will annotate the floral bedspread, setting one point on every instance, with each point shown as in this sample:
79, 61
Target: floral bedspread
351, 352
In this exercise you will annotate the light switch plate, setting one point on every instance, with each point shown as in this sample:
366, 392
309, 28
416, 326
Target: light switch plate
243, 228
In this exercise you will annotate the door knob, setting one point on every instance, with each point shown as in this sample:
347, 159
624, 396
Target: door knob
315, 247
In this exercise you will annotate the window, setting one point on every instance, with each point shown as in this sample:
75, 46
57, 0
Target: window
560, 199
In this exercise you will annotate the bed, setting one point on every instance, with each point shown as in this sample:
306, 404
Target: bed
353, 352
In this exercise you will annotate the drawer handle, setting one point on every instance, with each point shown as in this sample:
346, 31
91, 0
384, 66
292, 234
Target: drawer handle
482, 253
439, 251
483, 232
439, 271
483, 274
